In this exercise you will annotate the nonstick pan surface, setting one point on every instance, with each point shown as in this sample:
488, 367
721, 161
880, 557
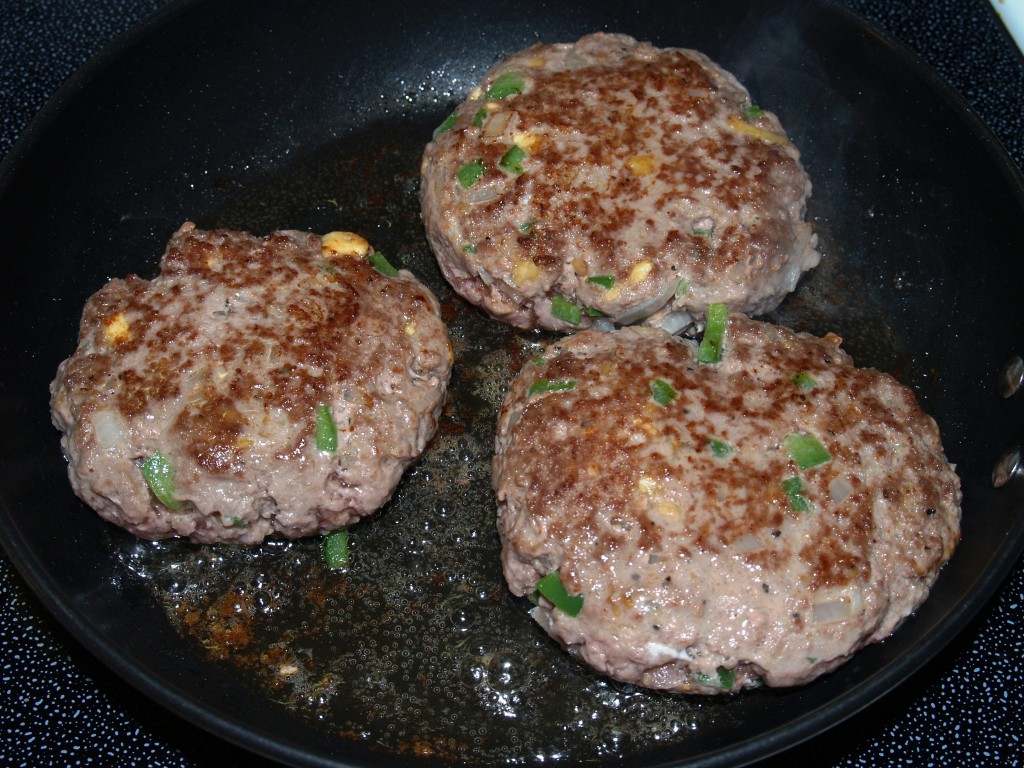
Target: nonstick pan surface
313, 116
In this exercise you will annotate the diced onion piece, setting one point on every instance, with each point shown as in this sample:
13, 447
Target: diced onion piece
108, 428
645, 308
837, 609
495, 125
839, 489
483, 194
676, 321
657, 651
832, 610
748, 542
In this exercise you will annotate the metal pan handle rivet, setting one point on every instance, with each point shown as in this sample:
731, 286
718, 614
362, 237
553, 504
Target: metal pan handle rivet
1011, 377
1008, 467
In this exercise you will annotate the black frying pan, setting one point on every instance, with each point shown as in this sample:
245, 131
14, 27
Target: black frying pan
312, 116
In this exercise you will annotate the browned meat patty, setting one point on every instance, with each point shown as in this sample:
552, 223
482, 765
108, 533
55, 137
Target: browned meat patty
755, 520
611, 179
212, 378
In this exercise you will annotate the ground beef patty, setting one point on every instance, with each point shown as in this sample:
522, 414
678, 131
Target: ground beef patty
713, 542
214, 376
609, 177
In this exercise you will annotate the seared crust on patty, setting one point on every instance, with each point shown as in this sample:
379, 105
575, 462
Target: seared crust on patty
221, 364
707, 558
608, 175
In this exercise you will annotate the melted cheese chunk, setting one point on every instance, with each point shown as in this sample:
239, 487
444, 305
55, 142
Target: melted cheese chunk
117, 329
526, 141
641, 165
343, 244
640, 271
525, 271
770, 137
